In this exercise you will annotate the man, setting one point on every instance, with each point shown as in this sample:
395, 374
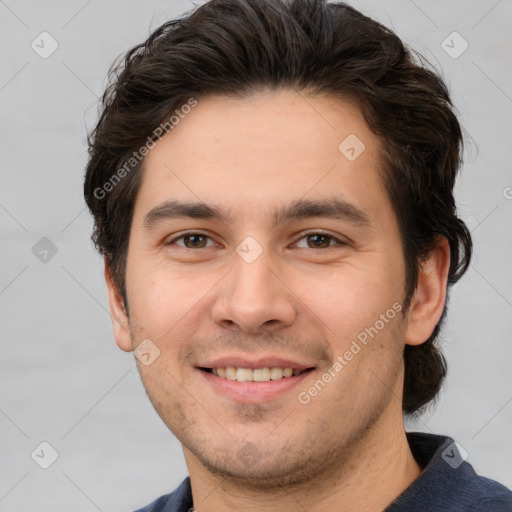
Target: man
272, 189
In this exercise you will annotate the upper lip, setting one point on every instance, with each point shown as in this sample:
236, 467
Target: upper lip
254, 362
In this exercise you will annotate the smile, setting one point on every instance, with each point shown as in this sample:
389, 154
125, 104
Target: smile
254, 385
254, 374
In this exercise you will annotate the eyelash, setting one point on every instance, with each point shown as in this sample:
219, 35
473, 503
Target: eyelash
304, 235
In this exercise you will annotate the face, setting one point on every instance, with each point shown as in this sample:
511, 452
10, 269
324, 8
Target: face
260, 245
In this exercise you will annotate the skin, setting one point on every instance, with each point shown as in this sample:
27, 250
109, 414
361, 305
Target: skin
346, 449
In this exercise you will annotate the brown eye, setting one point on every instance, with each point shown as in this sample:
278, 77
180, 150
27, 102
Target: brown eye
195, 241
319, 241
191, 241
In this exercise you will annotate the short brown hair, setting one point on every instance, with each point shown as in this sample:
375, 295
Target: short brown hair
236, 47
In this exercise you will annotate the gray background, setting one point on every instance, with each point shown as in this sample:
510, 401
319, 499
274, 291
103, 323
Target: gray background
63, 379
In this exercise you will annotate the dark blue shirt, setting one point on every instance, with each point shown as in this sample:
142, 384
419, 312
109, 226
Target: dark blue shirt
447, 484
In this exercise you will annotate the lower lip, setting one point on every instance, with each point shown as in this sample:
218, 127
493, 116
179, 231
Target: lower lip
253, 392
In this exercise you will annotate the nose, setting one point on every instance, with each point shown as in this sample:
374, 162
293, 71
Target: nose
254, 297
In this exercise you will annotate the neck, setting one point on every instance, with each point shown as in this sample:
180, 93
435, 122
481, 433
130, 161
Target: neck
367, 477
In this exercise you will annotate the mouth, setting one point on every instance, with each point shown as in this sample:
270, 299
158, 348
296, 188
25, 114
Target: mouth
265, 374
256, 382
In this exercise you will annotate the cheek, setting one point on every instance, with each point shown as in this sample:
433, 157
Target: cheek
349, 295
164, 299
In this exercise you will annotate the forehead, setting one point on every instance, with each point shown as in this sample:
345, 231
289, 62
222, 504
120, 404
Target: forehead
255, 155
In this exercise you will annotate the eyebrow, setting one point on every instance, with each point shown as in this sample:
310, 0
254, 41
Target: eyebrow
334, 207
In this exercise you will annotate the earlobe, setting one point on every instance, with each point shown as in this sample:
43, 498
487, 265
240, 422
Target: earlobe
429, 298
120, 320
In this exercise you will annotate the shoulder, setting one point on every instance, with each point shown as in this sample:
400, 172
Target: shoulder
159, 505
180, 500
490, 496
448, 482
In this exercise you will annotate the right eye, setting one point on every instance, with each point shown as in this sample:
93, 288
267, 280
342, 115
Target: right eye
191, 240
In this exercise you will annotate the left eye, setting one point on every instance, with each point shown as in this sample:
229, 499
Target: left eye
319, 240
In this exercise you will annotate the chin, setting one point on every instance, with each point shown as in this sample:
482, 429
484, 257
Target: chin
249, 467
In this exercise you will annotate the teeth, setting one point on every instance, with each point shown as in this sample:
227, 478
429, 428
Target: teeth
276, 373
261, 375
230, 373
243, 374
256, 375
288, 372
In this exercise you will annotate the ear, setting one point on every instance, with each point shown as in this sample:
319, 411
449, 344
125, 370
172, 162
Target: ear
120, 321
429, 298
